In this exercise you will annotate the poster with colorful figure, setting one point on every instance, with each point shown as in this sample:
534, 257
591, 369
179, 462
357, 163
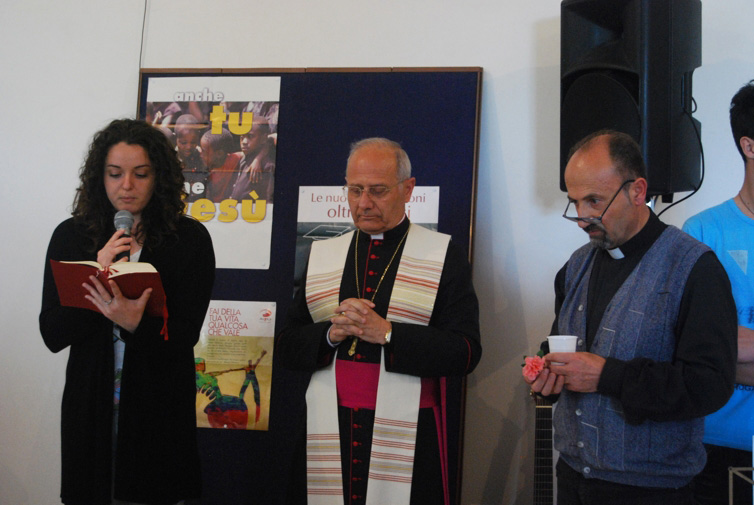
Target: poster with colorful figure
234, 365
224, 129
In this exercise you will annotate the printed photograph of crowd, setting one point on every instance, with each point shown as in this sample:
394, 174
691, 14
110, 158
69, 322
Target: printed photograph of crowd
224, 165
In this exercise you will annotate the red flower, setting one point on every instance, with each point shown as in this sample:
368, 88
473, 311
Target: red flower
533, 365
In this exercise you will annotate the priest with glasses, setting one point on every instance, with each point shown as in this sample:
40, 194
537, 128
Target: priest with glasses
656, 349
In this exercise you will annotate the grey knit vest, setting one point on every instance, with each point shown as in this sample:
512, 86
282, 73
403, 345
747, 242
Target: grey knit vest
590, 430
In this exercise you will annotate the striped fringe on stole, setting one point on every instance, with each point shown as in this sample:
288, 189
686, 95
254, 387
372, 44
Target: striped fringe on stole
323, 278
396, 418
414, 292
391, 464
324, 474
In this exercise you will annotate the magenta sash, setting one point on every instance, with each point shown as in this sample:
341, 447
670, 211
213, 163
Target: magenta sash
357, 386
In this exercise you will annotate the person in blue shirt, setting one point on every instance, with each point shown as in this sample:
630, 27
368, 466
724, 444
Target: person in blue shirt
728, 229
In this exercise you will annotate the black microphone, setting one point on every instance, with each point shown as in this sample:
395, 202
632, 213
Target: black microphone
124, 220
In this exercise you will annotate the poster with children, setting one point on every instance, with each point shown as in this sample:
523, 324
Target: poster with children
224, 130
234, 365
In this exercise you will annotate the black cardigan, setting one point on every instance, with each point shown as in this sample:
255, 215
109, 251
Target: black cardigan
157, 457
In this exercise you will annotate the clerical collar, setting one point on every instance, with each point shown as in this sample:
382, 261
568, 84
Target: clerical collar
394, 234
616, 253
639, 243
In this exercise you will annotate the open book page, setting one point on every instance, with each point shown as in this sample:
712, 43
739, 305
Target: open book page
132, 279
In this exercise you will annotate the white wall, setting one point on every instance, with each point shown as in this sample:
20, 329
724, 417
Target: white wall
68, 68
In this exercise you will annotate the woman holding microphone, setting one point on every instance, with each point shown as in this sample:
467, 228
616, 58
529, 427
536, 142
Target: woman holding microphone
128, 414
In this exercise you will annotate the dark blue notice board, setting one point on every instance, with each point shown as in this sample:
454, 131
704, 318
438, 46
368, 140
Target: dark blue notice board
434, 115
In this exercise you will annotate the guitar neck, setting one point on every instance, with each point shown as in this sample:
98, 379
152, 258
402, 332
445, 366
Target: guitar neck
543, 475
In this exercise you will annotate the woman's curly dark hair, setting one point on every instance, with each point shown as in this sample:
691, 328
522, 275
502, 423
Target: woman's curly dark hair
91, 207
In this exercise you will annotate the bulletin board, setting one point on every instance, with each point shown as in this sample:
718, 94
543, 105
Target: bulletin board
434, 114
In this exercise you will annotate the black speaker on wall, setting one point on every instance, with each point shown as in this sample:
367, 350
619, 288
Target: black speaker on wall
627, 65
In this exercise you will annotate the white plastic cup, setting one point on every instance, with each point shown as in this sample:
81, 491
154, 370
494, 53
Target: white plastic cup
562, 343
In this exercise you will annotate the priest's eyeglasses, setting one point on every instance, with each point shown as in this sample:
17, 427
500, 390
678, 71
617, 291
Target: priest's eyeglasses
594, 220
354, 192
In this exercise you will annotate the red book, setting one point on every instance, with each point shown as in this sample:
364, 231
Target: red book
132, 279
